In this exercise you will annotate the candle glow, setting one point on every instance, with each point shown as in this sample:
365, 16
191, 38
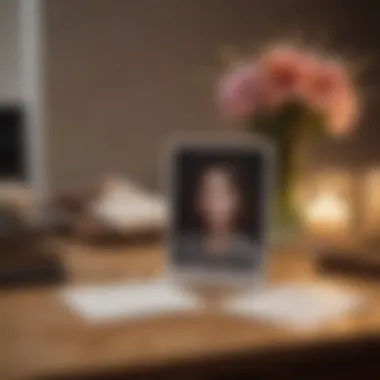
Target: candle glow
327, 214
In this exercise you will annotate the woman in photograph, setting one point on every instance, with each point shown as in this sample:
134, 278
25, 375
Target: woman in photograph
219, 242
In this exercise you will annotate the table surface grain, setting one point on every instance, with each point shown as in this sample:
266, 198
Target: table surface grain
39, 335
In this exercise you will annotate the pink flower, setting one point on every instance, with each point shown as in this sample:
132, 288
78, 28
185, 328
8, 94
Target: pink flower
240, 92
322, 80
327, 88
342, 112
283, 68
282, 73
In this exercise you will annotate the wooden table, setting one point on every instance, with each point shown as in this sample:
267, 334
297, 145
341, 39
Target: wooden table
40, 336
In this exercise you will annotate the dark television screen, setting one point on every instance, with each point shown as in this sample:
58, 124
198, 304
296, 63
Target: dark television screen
12, 143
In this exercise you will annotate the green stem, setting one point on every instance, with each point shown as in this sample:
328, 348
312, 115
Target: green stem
287, 127
285, 130
286, 176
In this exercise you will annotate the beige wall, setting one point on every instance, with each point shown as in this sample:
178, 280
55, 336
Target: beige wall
123, 75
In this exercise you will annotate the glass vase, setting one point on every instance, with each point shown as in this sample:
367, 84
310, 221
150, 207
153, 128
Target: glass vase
289, 129
284, 227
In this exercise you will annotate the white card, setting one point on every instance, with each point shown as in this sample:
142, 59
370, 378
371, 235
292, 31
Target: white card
299, 306
127, 300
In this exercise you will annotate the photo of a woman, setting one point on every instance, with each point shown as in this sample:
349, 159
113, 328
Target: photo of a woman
218, 215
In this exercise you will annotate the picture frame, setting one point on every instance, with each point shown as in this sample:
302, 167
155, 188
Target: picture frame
223, 147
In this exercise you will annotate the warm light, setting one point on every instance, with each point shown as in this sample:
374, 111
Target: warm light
329, 208
326, 201
327, 214
371, 201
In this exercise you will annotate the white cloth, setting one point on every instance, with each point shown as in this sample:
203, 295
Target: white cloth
296, 305
127, 300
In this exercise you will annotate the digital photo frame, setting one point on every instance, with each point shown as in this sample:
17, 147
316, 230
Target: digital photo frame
219, 190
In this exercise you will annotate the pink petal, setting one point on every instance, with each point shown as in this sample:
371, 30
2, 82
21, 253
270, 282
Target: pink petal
283, 66
343, 112
322, 80
239, 92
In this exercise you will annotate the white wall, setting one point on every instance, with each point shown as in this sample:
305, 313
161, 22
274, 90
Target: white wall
9, 51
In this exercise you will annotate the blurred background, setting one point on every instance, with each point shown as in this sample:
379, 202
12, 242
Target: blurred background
93, 89
119, 77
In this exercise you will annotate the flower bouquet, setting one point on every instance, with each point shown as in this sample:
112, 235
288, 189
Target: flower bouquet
289, 95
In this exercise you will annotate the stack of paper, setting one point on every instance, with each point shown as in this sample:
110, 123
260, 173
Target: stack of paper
296, 305
299, 306
125, 300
